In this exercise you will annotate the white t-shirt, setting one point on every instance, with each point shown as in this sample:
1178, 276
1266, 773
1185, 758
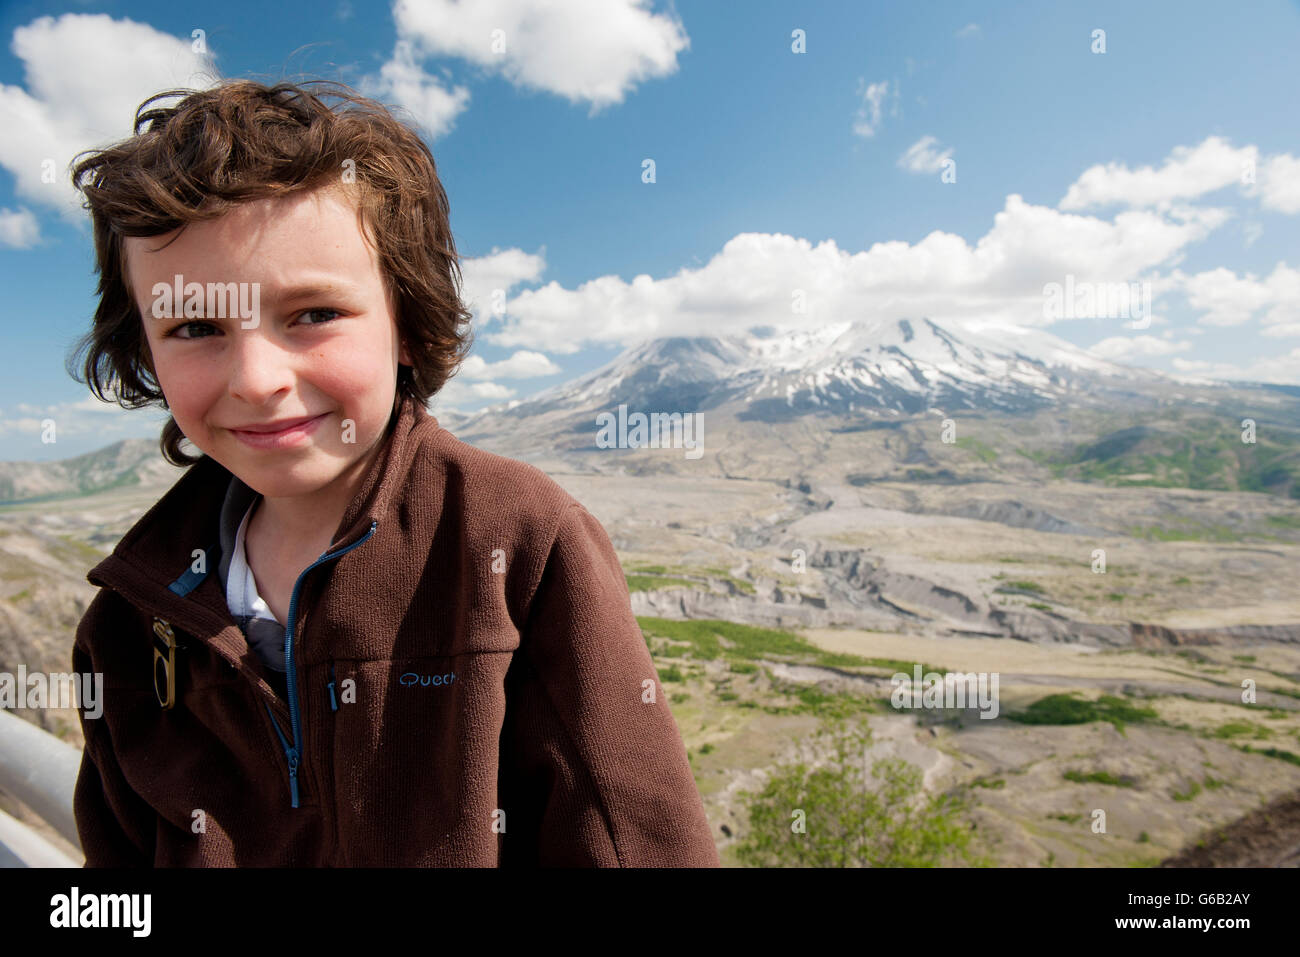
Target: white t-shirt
264, 631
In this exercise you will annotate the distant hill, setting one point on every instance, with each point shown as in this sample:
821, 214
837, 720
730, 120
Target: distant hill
770, 401
127, 462
1196, 451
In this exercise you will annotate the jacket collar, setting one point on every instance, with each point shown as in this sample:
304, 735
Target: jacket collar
238, 499
159, 551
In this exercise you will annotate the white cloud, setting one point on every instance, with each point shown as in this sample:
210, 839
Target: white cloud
84, 77
1279, 183
523, 364
587, 51
458, 394
922, 157
969, 30
489, 279
753, 279
83, 417
1226, 299
868, 117
402, 82
1123, 348
18, 228
1283, 368
1191, 172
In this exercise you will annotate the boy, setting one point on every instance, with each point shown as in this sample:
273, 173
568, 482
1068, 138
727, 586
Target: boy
344, 637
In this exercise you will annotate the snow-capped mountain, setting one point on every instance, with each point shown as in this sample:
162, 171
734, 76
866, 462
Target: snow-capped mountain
864, 367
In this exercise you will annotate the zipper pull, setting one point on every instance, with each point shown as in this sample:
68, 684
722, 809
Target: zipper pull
293, 777
334, 705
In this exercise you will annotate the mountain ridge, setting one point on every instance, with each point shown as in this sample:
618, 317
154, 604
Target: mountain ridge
895, 366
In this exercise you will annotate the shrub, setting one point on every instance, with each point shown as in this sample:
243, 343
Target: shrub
847, 822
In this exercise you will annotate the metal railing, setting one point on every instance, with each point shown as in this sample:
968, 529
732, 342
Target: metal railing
41, 771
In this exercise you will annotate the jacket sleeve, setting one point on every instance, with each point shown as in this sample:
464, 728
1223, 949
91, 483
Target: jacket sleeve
115, 826
595, 771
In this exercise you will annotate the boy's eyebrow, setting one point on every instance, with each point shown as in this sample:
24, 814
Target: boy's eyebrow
286, 295
309, 290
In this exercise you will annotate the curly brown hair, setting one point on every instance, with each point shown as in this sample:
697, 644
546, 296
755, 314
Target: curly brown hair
242, 141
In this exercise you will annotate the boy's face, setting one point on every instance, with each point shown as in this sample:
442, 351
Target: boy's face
311, 334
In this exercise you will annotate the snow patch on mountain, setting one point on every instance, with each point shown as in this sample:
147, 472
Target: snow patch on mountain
889, 366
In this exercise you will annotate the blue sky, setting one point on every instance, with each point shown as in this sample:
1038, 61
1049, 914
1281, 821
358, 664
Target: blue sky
1171, 158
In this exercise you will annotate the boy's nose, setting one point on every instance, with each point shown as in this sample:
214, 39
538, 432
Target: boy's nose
259, 367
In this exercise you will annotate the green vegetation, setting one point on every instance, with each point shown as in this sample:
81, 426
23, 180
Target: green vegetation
986, 453
1278, 753
642, 577
812, 700
743, 646
1023, 586
1099, 777
1069, 709
1037, 456
1191, 531
1193, 789
826, 817
84, 554
710, 639
671, 673
1234, 729
650, 582
1193, 450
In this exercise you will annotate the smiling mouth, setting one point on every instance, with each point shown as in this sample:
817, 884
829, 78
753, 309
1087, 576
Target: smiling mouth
284, 426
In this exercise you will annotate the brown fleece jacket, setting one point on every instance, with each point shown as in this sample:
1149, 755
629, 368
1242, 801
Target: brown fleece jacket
467, 686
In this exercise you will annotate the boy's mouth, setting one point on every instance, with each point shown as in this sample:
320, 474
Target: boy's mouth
278, 426
281, 434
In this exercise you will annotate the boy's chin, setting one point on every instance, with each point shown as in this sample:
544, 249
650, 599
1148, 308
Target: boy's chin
271, 482
282, 473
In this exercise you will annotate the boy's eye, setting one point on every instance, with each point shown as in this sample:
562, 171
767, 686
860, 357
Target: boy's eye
329, 314
189, 325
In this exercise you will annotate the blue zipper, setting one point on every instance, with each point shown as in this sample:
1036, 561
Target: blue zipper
294, 753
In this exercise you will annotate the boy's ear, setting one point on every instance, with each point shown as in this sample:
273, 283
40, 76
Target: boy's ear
404, 355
